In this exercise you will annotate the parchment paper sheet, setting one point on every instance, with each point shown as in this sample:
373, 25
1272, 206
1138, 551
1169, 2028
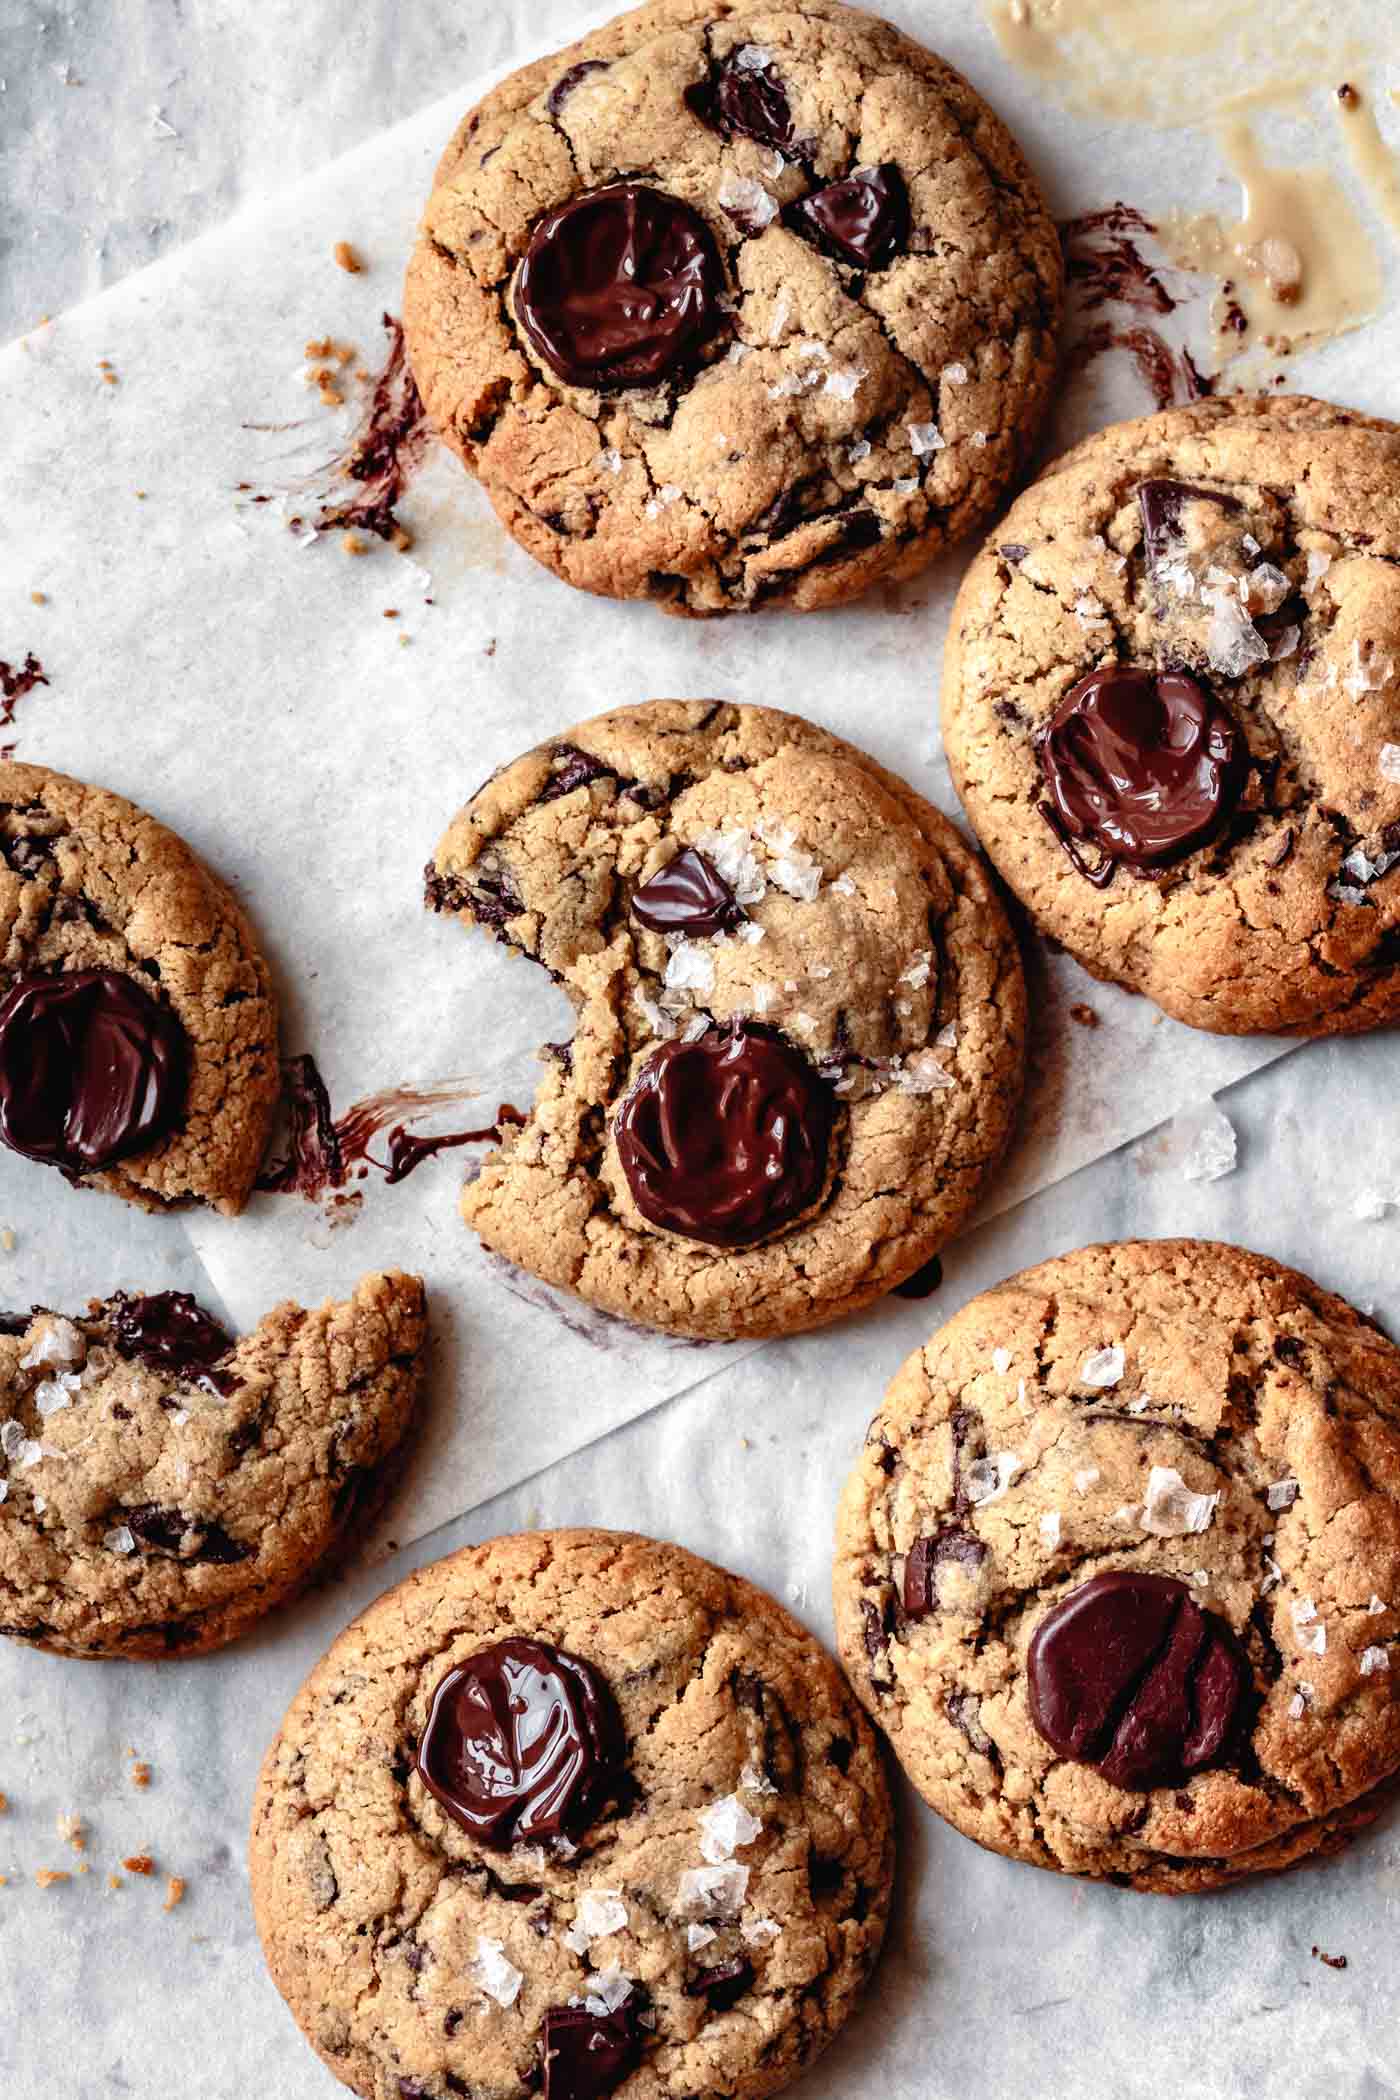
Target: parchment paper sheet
248, 690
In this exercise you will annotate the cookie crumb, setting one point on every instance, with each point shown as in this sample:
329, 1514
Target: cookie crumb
114, 1881
174, 1891
1349, 98
1333, 1961
347, 258
49, 1877
1085, 1016
140, 1863
38, 598
72, 1831
353, 544
140, 1773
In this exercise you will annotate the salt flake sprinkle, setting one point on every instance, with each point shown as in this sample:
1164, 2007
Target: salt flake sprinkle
757, 1932
1172, 1510
1086, 1478
1104, 1368
498, 1977
1050, 1527
724, 1826
1373, 1659
989, 1478
612, 1987
755, 1781
1001, 1361
712, 1892
599, 1913
924, 438
119, 1539
1281, 1494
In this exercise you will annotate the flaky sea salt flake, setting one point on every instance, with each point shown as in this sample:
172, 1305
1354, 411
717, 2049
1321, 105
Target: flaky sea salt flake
1085, 1478
1207, 1142
1105, 1367
498, 1977
119, 1539
690, 968
725, 1826
1001, 1361
1171, 1509
1050, 1527
1373, 1659
1282, 1494
989, 1478
712, 1892
924, 438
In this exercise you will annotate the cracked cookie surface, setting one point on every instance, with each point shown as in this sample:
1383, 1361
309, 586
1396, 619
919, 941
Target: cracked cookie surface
853, 411
868, 941
91, 884
165, 1485
729, 1904
1172, 1409
1277, 583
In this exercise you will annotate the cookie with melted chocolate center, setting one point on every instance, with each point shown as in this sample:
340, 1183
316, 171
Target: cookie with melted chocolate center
1118, 1572
1171, 705
644, 1820
730, 306
800, 1017
138, 1022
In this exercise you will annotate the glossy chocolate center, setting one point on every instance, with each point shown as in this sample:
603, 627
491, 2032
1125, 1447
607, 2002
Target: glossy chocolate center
745, 93
587, 2055
1144, 765
686, 896
862, 220
725, 1139
524, 1743
172, 1332
620, 286
92, 1068
1129, 1675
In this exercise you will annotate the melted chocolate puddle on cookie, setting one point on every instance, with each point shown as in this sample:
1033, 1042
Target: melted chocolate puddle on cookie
92, 1068
524, 1744
1128, 1674
1144, 766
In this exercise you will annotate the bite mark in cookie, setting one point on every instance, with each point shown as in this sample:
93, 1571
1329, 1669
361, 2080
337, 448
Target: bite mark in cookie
800, 1017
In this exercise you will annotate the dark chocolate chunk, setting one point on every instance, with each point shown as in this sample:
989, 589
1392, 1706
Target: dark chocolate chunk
172, 1332
725, 1139
92, 1069
523, 1743
567, 82
687, 896
620, 286
952, 1546
723, 1986
573, 769
863, 219
1161, 504
746, 97
924, 1281
191, 1538
1143, 765
587, 2055
1128, 1674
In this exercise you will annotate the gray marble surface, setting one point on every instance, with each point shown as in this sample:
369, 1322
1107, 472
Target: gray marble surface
994, 1973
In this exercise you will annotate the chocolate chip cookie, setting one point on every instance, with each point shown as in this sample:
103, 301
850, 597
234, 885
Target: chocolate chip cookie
1171, 704
138, 1026
572, 1813
164, 1485
734, 305
1119, 1570
800, 1025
